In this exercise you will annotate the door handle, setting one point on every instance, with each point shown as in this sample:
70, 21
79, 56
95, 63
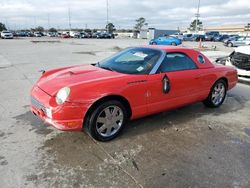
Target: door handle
166, 84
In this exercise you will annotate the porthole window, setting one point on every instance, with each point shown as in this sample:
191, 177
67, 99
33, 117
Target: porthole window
201, 59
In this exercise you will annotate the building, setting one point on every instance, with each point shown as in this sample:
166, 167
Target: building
155, 33
241, 28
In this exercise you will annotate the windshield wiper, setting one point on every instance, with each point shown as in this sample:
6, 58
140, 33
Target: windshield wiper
98, 64
107, 68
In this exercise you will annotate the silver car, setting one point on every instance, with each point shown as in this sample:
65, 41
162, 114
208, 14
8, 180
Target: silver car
242, 41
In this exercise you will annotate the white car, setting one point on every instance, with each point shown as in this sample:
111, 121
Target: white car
178, 35
6, 35
37, 34
74, 34
240, 59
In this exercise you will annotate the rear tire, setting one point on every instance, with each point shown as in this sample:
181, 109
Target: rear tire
217, 94
173, 44
154, 43
106, 121
230, 44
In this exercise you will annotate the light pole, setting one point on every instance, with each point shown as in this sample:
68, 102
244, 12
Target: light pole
107, 15
69, 14
48, 21
197, 17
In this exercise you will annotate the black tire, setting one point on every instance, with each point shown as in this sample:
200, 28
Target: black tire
91, 123
154, 43
209, 102
230, 44
173, 44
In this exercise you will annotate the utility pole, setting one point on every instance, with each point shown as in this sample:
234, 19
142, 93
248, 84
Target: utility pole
34, 22
6, 23
107, 14
197, 16
69, 18
48, 21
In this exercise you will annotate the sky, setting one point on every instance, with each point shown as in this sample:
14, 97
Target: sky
160, 14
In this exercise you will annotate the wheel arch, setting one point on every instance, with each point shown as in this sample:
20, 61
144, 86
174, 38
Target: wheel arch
119, 98
224, 79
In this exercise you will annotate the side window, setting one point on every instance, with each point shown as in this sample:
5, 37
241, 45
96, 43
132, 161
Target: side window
201, 59
176, 62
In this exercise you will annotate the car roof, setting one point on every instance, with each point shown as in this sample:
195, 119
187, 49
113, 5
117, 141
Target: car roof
192, 53
169, 48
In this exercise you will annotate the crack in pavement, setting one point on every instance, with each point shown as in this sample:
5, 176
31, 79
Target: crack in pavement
9, 64
24, 75
120, 167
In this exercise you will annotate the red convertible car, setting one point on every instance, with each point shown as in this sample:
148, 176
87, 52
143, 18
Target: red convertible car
136, 82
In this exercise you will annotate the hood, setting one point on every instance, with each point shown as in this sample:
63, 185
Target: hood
243, 50
52, 81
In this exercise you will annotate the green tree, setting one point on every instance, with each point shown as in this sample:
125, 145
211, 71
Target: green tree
39, 29
2, 27
53, 30
87, 30
110, 27
140, 22
193, 24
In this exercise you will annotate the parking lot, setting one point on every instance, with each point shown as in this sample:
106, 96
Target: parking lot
193, 146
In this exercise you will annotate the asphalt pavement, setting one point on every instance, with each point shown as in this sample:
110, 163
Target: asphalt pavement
193, 146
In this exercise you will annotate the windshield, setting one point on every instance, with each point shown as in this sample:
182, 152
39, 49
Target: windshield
132, 61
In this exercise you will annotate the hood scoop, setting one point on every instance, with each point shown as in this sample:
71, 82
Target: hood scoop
73, 73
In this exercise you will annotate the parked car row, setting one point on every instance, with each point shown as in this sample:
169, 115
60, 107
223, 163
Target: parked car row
70, 34
99, 35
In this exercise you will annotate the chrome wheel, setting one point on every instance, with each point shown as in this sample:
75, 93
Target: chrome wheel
218, 93
109, 121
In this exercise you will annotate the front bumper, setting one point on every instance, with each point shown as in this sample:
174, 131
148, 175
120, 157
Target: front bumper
66, 117
243, 75
7, 37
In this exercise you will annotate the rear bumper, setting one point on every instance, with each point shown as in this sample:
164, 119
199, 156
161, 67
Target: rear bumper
65, 117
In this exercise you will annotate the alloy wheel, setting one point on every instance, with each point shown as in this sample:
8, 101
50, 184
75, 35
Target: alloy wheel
109, 121
218, 93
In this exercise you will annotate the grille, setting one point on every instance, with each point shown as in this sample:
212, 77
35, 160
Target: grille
35, 103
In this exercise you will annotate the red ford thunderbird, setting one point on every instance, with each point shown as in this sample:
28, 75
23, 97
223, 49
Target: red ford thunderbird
136, 82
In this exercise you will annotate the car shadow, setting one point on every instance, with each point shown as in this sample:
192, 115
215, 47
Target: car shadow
178, 118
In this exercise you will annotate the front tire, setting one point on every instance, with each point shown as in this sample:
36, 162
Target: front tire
230, 44
173, 44
217, 94
107, 120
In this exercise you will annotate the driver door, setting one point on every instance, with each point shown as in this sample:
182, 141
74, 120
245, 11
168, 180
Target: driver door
175, 84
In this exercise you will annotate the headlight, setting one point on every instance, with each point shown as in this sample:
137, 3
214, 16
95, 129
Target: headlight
62, 95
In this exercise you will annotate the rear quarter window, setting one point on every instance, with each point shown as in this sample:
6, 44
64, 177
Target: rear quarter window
201, 59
